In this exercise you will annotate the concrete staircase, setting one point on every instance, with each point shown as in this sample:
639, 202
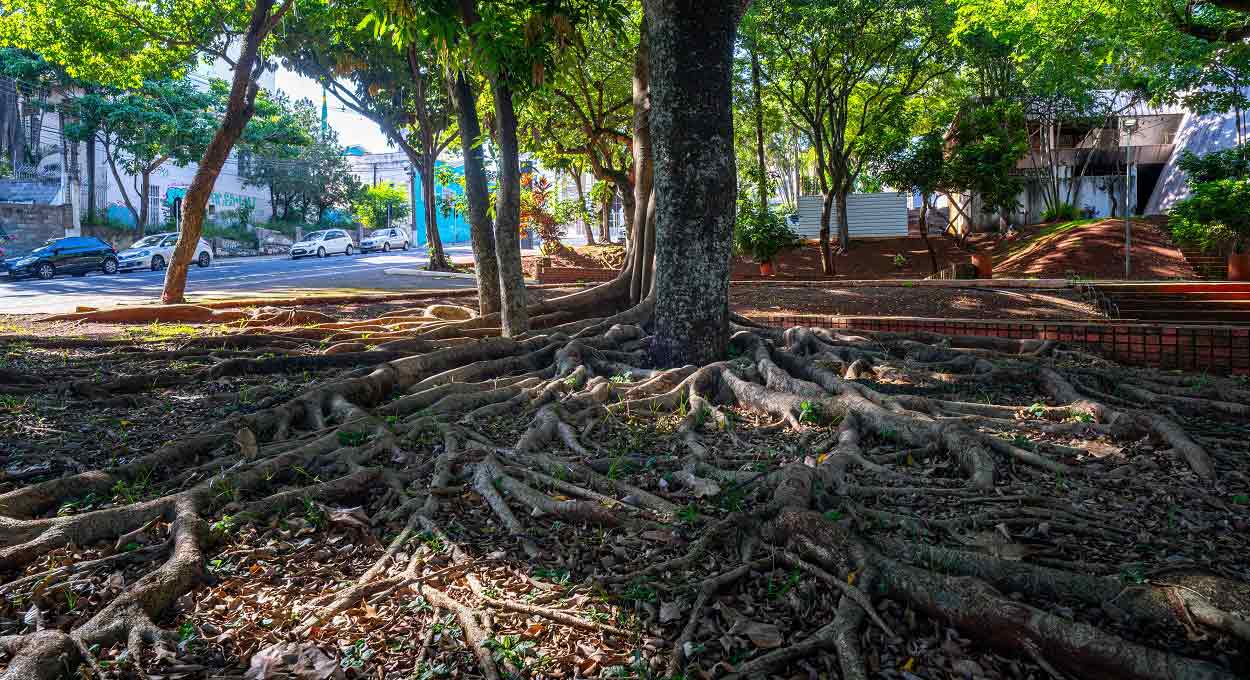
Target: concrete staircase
1217, 302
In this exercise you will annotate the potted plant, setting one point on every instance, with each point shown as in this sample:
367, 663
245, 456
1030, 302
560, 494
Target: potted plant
984, 262
1214, 217
761, 234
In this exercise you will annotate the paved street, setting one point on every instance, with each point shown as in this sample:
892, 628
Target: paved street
231, 277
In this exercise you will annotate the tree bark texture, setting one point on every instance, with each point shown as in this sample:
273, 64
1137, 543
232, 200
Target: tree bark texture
691, 126
508, 215
642, 263
476, 195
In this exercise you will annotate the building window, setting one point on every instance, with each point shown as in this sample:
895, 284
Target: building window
154, 204
245, 162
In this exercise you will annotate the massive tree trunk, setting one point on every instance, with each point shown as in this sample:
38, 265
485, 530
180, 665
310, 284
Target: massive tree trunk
691, 125
239, 110
476, 195
508, 214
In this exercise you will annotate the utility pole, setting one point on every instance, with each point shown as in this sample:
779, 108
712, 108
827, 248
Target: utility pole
1129, 125
375, 174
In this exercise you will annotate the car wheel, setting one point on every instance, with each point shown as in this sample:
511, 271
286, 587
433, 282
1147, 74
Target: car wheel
204, 260
348, 250
158, 263
405, 245
110, 265
321, 252
386, 247
45, 271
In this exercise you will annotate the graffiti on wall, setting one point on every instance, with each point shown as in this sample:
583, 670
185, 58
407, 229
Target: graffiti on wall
220, 199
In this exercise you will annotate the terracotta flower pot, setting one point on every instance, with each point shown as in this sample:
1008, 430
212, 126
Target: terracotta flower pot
1239, 266
984, 262
766, 268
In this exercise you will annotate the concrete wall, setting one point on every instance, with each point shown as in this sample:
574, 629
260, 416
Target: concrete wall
26, 227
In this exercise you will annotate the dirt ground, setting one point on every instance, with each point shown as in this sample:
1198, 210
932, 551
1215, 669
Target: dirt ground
949, 303
1092, 250
1128, 511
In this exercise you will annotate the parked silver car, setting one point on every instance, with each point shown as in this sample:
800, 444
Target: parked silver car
323, 244
385, 239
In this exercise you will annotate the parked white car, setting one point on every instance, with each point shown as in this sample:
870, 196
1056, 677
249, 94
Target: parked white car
323, 244
385, 239
156, 250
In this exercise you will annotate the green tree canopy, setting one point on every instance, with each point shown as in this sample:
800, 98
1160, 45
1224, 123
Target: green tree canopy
142, 129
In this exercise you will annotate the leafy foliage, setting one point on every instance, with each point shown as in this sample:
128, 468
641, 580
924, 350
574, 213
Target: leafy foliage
537, 202
1214, 214
371, 205
761, 233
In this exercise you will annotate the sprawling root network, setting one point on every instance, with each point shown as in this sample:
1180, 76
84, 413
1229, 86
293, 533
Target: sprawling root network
406, 431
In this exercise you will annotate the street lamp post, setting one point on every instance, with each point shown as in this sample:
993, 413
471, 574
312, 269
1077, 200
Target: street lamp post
1129, 125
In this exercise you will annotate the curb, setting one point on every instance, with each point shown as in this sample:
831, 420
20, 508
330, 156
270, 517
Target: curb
398, 271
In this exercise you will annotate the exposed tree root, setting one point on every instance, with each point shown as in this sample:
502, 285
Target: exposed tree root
522, 438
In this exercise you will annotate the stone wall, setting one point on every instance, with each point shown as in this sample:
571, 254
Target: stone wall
26, 227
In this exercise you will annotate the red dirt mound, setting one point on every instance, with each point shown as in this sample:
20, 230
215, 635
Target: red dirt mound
1091, 250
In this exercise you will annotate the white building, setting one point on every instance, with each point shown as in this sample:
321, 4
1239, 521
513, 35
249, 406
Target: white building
64, 176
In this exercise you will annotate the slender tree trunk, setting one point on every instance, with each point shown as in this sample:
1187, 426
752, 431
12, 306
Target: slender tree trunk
691, 124
91, 197
827, 266
438, 257
759, 130
239, 110
434, 240
924, 230
508, 215
581, 208
476, 195
844, 222
145, 185
639, 223
605, 220
121, 188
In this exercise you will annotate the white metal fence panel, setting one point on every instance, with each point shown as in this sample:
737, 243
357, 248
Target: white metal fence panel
880, 214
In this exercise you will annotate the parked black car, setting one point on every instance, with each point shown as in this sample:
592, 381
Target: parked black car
75, 255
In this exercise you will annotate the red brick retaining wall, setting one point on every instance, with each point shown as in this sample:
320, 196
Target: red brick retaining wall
1217, 349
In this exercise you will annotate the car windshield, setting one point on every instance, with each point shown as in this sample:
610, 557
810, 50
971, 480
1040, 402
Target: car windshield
381, 232
315, 236
148, 241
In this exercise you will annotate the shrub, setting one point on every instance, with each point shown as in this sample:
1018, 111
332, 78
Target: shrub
761, 234
1063, 212
232, 231
1214, 215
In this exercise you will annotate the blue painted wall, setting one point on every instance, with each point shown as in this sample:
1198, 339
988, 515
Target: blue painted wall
453, 228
